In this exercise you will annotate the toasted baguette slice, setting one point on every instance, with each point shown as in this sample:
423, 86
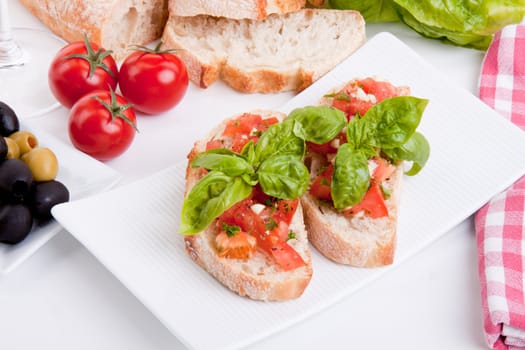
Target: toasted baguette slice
236, 9
282, 53
258, 277
359, 240
113, 24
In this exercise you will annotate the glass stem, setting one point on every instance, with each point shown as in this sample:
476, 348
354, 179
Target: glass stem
10, 53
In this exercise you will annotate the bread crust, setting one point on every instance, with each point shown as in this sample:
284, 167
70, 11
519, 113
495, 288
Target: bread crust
257, 278
235, 9
210, 54
113, 24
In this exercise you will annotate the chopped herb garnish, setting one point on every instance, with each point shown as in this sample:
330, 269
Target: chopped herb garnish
291, 235
343, 96
231, 230
270, 223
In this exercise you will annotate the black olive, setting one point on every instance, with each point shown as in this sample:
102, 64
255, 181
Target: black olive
16, 222
44, 195
8, 120
3, 148
15, 180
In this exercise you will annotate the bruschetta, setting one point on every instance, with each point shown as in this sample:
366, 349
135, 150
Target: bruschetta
241, 217
352, 205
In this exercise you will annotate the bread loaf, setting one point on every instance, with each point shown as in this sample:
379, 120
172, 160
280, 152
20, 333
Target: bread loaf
113, 24
281, 53
237, 9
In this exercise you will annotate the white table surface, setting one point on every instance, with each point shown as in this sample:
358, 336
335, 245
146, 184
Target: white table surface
63, 298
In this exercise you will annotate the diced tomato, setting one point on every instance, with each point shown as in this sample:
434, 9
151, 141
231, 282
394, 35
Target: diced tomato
383, 170
270, 239
352, 107
242, 125
214, 144
259, 196
347, 101
287, 257
239, 142
248, 127
380, 89
329, 147
321, 185
373, 203
237, 246
266, 123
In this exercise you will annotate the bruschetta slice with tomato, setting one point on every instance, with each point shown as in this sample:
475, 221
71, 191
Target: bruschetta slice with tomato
241, 217
351, 207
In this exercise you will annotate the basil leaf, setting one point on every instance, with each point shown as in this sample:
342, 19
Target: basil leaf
279, 139
360, 135
318, 124
209, 198
283, 176
395, 120
351, 177
416, 149
223, 160
248, 151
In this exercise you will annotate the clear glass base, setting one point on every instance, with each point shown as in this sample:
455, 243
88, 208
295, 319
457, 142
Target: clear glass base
24, 87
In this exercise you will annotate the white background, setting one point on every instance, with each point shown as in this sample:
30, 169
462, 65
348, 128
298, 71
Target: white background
63, 298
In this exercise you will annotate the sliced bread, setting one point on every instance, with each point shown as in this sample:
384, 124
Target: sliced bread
281, 53
237, 9
113, 24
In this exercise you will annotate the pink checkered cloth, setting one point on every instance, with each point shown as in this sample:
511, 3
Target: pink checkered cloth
500, 224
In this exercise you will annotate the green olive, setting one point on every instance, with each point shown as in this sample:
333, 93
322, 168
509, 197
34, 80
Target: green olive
13, 151
26, 140
42, 162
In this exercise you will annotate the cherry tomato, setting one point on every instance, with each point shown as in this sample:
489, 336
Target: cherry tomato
153, 80
80, 68
102, 124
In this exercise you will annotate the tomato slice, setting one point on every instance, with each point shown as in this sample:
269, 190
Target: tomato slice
373, 203
321, 185
240, 245
286, 256
270, 237
383, 170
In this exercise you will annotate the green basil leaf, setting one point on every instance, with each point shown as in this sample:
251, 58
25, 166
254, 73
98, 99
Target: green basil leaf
279, 139
318, 124
283, 176
248, 151
394, 120
416, 149
223, 160
360, 135
351, 177
209, 198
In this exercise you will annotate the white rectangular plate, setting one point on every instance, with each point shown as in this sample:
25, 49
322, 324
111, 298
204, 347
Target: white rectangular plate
475, 154
81, 174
